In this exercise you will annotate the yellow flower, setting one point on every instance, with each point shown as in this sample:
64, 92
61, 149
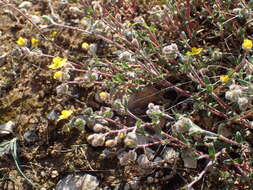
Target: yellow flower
122, 135
53, 35
34, 42
110, 143
247, 44
58, 75
224, 78
194, 51
21, 41
104, 95
85, 46
129, 143
65, 114
58, 62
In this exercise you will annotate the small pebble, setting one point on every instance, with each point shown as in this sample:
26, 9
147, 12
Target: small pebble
25, 4
78, 182
150, 179
54, 174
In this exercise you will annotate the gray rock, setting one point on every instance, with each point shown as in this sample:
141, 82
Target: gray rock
30, 136
52, 115
2, 58
189, 160
78, 182
7, 128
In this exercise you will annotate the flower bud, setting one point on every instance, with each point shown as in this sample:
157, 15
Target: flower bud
131, 139
102, 97
111, 143
243, 102
79, 123
98, 128
96, 139
229, 96
126, 56
181, 126
170, 49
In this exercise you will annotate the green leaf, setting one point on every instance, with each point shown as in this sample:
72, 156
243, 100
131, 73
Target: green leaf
243, 82
140, 128
138, 123
206, 80
183, 139
193, 128
79, 124
211, 150
209, 88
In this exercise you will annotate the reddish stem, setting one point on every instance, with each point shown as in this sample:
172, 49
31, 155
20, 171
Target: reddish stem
188, 12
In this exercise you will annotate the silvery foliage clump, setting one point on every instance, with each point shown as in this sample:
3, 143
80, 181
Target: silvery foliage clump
63, 89
120, 105
186, 126
242, 95
126, 56
155, 113
97, 139
95, 121
171, 50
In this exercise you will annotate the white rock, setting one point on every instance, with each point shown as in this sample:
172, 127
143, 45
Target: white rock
25, 4
35, 19
78, 182
7, 128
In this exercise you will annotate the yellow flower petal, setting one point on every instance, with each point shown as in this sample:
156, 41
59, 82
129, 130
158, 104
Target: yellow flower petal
58, 75
21, 41
53, 34
194, 51
65, 114
224, 78
122, 135
58, 62
247, 44
34, 42
129, 143
85, 46
104, 95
